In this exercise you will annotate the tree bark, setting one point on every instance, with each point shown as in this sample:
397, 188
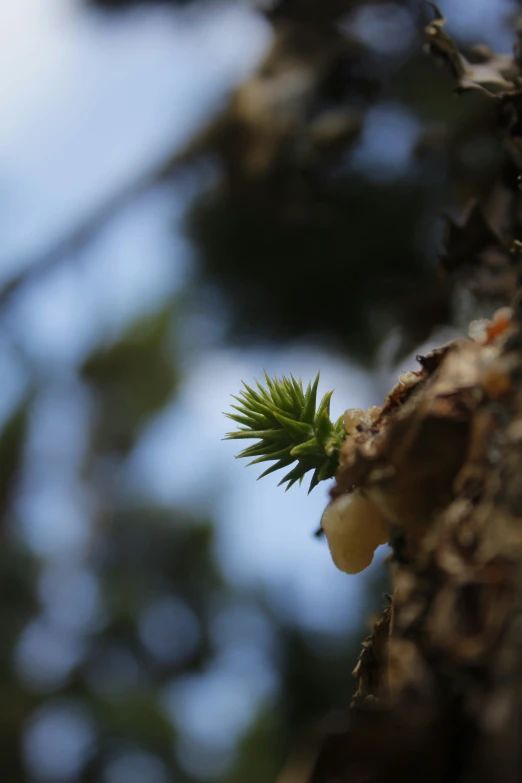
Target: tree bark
440, 678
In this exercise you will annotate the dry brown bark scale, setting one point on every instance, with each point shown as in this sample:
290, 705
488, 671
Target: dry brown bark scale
440, 679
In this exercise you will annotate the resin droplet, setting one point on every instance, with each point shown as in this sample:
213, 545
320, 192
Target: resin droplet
354, 527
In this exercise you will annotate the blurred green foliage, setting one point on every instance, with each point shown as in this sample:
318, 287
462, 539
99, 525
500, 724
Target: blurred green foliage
132, 379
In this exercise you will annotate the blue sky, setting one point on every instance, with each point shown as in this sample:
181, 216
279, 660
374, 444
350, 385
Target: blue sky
67, 144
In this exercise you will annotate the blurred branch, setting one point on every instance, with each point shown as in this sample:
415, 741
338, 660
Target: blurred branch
79, 236
266, 114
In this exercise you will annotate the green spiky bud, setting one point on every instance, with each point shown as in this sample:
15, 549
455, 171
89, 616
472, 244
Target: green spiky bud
284, 420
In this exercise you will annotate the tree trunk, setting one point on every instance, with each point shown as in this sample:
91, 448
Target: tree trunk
440, 678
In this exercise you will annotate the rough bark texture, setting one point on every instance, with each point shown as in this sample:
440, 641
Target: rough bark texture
440, 679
